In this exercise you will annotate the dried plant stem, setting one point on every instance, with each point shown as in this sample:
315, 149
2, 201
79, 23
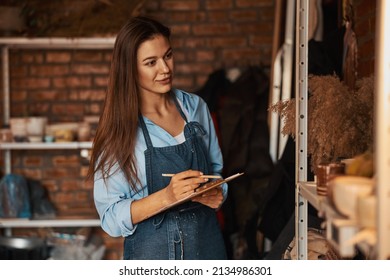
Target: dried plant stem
340, 121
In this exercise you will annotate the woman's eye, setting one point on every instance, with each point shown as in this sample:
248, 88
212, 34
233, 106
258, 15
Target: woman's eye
168, 55
151, 63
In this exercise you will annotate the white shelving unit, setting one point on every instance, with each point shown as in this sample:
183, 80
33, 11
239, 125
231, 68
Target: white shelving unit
26, 223
42, 43
301, 61
338, 227
382, 128
45, 146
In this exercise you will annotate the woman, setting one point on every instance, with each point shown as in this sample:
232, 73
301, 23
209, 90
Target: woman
147, 128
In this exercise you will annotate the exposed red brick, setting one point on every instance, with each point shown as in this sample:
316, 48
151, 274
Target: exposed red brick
186, 16
194, 43
212, 29
56, 172
58, 56
47, 95
92, 95
227, 42
72, 82
260, 40
32, 56
205, 55
244, 54
100, 81
66, 161
19, 109
49, 70
179, 5
18, 95
19, 71
35, 174
219, 4
30, 83
184, 82
94, 109
195, 68
90, 69
180, 29
33, 161
218, 15
267, 13
63, 198
89, 56
249, 29
254, 3
246, 15
68, 109
70, 185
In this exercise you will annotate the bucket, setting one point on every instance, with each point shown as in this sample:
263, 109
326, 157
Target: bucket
22, 248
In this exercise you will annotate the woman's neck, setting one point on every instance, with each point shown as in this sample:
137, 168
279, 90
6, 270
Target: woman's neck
162, 111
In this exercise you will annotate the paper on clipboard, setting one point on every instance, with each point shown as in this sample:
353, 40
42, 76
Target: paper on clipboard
202, 189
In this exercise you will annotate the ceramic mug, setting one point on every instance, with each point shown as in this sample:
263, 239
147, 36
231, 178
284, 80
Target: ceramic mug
325, 173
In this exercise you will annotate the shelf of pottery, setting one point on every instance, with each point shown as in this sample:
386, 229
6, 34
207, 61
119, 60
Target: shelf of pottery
356, 213
33, 133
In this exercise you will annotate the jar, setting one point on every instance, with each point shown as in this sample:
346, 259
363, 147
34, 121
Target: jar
84, 132
6, 134
325, 173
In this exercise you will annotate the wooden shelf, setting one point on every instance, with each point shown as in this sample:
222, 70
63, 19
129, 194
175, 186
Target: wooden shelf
58, 43
340, 230
45, 146
58, 222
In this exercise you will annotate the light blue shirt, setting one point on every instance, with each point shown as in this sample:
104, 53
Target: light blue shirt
113, 197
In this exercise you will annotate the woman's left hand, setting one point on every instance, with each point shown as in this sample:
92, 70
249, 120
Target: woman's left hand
212, 198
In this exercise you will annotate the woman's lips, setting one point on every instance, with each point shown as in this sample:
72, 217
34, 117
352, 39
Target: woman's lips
164, 81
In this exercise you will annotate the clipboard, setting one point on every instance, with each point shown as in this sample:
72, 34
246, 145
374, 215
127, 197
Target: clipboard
198, 191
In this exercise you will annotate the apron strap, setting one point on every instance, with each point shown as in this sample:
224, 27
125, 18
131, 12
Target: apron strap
145, 132
192, 126
178, 107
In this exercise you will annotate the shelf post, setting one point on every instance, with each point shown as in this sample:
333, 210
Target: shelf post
6, 89
6, 102
301, 54
382, 127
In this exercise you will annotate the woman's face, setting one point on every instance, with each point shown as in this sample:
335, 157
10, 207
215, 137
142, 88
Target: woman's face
155, 65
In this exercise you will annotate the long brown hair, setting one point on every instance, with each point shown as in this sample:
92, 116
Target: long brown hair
115, 138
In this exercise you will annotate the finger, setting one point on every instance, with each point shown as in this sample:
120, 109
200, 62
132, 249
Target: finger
188, 174
213, 192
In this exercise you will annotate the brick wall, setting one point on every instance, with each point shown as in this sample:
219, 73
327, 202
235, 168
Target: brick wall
211, 34
66, 85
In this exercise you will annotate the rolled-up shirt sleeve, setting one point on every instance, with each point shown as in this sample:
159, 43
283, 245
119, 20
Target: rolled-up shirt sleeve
113, 202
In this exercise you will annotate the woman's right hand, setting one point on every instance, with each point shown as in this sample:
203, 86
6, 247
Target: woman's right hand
183, 184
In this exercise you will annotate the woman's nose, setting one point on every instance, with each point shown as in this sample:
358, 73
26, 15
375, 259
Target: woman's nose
164, 66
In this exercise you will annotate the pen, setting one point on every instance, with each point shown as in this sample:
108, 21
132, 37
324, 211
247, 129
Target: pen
202, 176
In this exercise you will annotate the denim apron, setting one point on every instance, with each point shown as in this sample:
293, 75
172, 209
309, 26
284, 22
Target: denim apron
188, 231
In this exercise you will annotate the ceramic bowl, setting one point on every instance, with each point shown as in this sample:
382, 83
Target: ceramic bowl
346, 191
366, 210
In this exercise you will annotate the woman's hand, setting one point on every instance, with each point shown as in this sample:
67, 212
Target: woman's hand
212, 198
183, 184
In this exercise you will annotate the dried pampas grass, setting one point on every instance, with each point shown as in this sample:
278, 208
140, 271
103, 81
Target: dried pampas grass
340, 120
